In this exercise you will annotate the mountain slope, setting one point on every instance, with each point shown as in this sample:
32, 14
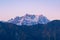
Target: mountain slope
49, 31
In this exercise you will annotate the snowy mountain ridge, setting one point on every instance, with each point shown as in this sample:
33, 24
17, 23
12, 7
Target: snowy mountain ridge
29, 20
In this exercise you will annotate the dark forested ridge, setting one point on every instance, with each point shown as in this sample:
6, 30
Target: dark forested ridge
49, 31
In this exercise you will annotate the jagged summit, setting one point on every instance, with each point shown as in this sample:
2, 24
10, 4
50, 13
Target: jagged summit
29, 19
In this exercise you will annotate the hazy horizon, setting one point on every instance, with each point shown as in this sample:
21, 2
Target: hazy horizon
12, 8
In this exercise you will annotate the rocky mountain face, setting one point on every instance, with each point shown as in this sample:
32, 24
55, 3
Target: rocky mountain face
29, 20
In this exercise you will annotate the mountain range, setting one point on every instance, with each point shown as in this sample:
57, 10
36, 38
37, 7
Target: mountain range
30, 27
29, 20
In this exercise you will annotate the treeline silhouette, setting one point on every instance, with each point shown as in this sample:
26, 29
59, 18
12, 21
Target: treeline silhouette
49, 31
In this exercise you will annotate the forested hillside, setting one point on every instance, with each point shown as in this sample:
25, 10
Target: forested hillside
49, 31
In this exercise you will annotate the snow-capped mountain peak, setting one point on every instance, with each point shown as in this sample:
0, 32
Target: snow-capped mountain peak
29, 20
43, 19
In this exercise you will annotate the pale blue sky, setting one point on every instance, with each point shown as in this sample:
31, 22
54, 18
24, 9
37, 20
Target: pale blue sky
11, 8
